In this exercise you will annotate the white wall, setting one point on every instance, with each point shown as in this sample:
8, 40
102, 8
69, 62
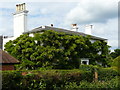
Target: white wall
5, 40
20, 23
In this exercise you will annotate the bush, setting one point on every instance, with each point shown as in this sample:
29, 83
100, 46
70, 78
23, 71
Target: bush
88, 68
116, 62
112, 84
106, 74
11, 79
48, 79
58, 79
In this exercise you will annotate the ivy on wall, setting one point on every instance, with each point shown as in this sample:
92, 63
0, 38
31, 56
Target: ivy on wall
58, 50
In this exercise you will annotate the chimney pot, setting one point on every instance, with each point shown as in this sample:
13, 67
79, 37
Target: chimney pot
74, 24
74, 27
51, 25
20, 7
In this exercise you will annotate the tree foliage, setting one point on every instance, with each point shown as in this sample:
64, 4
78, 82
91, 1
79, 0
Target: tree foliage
116, 62
59, 50
116, 53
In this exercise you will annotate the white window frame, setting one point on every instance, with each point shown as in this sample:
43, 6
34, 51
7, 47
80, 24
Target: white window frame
86, 60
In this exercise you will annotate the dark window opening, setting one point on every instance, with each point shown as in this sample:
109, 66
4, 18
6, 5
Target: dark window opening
84, 62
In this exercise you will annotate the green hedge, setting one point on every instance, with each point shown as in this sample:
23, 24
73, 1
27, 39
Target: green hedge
47, 79
59, 79
88, 68
106, 74
11, 80
109, 85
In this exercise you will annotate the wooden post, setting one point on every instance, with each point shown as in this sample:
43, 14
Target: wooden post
96, 76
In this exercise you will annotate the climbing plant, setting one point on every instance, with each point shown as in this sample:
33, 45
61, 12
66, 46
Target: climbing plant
56, 49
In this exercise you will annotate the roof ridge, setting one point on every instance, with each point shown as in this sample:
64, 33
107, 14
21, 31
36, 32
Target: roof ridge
64, 30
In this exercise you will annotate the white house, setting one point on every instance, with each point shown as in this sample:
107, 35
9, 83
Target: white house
19, 23
20, 27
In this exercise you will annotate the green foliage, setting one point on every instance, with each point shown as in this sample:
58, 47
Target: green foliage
11, 79
88, 68
55, 80
111, 84
106, 74
116, 53
56, 50
116, 62
36, 80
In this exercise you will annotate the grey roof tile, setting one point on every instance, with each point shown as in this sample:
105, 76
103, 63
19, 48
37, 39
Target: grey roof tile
39, 29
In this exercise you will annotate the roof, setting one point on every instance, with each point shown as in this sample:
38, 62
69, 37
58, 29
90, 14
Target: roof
6, 58
44, 28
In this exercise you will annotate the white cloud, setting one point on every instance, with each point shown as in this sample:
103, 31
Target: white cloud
108, 30
88, 11
101, 13
113, 43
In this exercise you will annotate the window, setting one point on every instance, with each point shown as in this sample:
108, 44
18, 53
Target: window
85, 61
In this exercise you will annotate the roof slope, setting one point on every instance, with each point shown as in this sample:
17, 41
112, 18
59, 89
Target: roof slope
6, 58
39, 29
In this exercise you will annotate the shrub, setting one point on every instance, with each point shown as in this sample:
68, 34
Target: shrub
112, 84
106, 74
88, 68
11, 79
57, 79
116, 62
47, 79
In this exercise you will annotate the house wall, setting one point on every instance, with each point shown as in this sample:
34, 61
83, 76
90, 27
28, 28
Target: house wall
1, 42
7, 67
5, 40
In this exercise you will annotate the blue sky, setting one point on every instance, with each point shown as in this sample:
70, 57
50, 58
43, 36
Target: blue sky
102, 14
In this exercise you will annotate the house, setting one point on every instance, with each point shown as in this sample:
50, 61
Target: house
7, 61
1, 42
20, 27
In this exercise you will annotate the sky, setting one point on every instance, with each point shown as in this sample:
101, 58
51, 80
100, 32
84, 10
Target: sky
102, 14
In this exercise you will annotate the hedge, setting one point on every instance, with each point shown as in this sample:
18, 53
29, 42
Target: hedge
104, 74
47, 79
88, 68
109, 85
59, 79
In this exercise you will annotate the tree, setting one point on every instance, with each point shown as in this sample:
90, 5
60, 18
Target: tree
59, 50
116, 62
116, 53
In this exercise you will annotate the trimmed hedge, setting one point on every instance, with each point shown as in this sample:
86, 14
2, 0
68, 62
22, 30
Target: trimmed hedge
112, 84
59, 79
88, 68
106, 74
11, 79
48, 79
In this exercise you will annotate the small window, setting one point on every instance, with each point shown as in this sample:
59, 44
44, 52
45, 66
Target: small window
85, 61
